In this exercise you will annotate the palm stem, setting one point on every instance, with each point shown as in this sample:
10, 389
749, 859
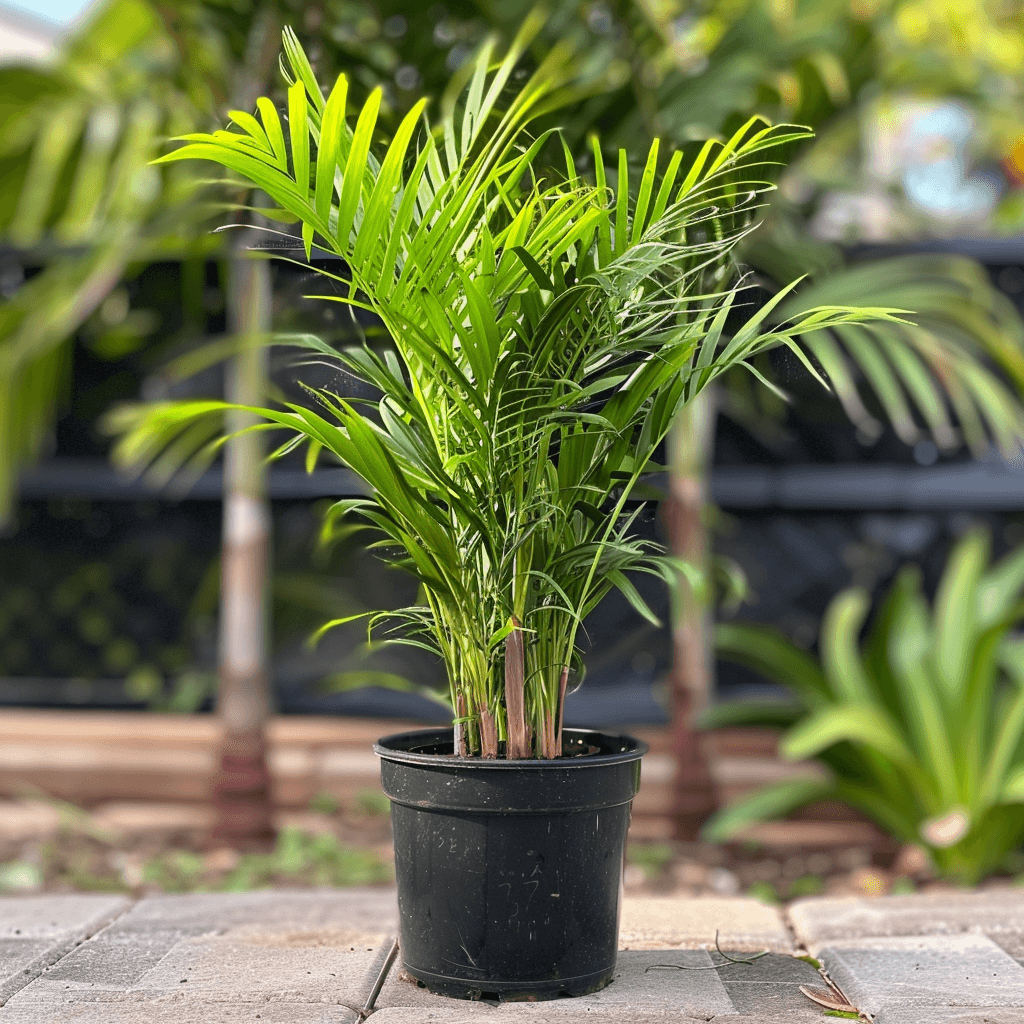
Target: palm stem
690, 454
243, 701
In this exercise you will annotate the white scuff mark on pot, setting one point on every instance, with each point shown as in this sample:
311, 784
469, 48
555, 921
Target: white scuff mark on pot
455, 963
462, 946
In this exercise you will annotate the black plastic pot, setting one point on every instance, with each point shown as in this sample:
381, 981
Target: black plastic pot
509, 872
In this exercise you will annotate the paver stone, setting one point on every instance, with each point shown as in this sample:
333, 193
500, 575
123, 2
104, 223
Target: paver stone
925, 971
549, 1013
820, 921
665, 923
365, 911
35, 931
519, 1013
950, 1015
189, 1011
240, 950
655, 992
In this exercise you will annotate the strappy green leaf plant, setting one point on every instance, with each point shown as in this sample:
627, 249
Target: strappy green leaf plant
544, 331
921, 725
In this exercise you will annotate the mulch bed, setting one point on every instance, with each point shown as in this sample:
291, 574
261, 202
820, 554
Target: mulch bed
331, 845
695, 869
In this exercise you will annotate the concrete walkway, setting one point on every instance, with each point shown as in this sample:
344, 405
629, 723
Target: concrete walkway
314, 958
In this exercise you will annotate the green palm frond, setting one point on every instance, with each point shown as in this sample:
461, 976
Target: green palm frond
955, 369
954, 374
82, 198
544, 333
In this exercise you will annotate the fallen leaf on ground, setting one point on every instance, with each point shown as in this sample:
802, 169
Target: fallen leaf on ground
823, 997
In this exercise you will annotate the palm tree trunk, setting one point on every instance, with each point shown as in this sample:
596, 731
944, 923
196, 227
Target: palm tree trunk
690, 449
242, 789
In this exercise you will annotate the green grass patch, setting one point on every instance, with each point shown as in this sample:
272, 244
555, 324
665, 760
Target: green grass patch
324, 803
298, 859
373, 801
176, 871
305, 859
765, 892
654, 858
807, 885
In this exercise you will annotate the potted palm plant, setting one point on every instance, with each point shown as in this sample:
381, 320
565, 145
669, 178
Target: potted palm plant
543, 331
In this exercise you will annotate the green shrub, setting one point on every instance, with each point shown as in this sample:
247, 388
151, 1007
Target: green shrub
921, 725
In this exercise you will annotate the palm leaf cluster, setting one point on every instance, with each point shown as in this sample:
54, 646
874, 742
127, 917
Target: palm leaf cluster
81, 203
544, 331
920, 726
953, 370
87, 188
953, 373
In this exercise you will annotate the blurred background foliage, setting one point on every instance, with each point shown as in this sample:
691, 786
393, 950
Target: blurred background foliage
109, 269
920, 726
85, 211
85, 220
102, 248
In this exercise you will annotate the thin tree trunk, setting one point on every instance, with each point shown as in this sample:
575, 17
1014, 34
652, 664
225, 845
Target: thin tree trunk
242, 789
690, 449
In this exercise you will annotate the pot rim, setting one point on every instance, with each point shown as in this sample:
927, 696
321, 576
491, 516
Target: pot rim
387, 748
